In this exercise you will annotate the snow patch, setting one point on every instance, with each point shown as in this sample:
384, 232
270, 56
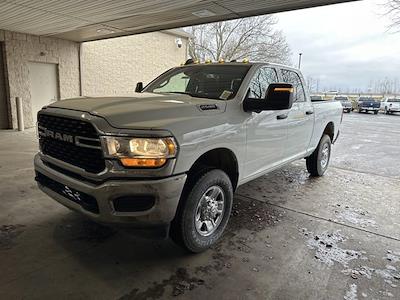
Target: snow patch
351, 294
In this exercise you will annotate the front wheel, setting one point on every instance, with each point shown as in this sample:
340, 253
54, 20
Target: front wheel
317, 163
204, 213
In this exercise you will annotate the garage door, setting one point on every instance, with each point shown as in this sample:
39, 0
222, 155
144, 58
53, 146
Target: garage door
43, 85
3, 96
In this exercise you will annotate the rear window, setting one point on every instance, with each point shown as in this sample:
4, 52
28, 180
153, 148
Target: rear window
394, 100
316, 98
338, 98
366, 99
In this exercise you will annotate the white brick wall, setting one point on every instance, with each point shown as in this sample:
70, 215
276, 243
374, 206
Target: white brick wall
21, 49
114, 66
109, 67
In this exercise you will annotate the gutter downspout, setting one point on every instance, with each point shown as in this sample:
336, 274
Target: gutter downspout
80, 70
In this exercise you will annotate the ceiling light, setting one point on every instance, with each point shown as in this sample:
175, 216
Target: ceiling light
204, 13
105, 30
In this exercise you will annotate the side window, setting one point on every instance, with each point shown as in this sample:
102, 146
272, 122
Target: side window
260, 82
294, 79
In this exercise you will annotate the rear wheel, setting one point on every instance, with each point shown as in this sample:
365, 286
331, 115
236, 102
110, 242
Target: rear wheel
375, 112
317, 163
204, 213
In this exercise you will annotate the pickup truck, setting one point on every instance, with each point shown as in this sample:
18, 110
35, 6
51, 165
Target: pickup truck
168, 160
368, 104
391, 105
346, 103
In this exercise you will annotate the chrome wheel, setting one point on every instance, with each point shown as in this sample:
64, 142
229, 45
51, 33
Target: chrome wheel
325, 156
210, 211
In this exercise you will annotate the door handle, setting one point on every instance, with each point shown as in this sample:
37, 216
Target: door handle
281, 117
309, 112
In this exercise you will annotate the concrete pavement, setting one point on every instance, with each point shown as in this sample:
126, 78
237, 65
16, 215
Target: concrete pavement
290, 236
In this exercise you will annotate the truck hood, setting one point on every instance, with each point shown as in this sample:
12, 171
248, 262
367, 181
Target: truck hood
146, 110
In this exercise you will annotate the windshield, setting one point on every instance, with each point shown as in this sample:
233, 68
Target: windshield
366, 99
205, 81
394, 100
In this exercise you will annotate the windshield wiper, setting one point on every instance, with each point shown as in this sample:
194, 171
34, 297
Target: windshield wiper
183, 93
194, 95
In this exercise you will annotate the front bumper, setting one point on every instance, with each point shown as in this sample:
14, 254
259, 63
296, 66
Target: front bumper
166, 193
370, 108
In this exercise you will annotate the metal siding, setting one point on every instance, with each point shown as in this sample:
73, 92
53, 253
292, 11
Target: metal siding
79, 20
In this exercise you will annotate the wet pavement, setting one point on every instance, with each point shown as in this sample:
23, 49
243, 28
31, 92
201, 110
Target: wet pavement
290, 236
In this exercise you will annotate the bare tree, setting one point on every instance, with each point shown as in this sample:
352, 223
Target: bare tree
393, 11
384, 86
254, 38
313, 84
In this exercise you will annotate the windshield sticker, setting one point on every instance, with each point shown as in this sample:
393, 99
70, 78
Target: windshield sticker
225, 95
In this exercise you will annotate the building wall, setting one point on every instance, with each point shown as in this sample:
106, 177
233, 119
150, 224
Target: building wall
114, 66
3, 91
23, 48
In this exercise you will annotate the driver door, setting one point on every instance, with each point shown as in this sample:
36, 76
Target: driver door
266, 131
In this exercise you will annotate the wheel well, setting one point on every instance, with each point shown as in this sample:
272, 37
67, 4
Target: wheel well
220, 158
330, 130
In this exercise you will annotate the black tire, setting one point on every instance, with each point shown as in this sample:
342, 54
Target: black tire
375, 112
386, 111
183, 230
314, 163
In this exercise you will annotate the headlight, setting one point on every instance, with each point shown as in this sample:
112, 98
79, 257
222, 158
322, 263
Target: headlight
140, 152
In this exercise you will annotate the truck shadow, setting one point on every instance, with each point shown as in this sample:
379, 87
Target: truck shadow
106, 252
249, 213
281, 185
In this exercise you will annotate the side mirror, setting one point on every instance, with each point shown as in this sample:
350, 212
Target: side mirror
279, 97
139, 87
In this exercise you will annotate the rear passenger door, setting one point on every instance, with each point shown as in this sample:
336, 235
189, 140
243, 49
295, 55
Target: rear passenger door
300, 117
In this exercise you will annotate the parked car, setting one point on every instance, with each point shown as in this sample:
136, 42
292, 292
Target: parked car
346, 103
391, 105
368, 104
168, 160
316, 98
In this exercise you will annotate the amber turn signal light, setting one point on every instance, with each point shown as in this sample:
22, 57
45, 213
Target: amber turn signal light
288, 90
143, 162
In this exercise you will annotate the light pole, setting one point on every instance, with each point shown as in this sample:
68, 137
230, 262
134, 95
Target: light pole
300, 55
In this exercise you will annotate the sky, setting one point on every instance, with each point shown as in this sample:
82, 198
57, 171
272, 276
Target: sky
344, 46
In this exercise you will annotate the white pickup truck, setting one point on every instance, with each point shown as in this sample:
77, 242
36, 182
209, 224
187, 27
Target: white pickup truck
168, 160
391, 105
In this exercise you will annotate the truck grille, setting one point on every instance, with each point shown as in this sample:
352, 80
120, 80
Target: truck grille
87, 158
